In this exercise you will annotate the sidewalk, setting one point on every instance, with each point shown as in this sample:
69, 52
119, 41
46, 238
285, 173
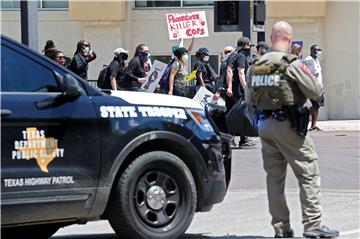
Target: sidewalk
339, 125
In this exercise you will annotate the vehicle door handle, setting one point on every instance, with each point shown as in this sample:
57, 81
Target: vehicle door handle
5, 112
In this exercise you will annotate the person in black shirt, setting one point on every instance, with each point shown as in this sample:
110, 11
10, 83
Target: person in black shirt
115, 72
135, 74
238, 64
83, 55
205, 75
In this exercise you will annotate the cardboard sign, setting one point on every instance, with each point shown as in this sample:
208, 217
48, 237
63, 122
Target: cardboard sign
204, 96
187, 25
153, 77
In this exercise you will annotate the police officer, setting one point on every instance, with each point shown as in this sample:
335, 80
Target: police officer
278, 86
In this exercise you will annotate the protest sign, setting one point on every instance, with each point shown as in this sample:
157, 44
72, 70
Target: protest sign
153, 77
204, 96
187, 25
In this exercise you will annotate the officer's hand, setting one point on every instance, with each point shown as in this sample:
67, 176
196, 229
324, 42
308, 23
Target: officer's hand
216, 96
229, 92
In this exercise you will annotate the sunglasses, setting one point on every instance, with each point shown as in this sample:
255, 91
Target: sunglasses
60, 57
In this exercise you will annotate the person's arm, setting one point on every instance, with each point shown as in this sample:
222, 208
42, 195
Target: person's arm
113, 82
190, 48
199, 77
229, 78
242, 79
91, 56
133, 65
171, 80
241, 65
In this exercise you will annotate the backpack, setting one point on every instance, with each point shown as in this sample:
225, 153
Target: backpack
164, 80
101, 82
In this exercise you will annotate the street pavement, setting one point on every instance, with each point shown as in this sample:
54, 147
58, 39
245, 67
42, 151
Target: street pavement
244, 212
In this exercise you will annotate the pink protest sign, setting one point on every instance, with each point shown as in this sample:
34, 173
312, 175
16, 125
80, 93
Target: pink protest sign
187, 25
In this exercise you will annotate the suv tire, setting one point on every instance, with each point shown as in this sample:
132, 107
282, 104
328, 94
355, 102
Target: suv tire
155, 197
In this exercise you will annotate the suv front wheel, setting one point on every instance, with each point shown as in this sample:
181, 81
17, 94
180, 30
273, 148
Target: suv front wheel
154, 198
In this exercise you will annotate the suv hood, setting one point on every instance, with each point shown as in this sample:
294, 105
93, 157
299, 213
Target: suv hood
144, 98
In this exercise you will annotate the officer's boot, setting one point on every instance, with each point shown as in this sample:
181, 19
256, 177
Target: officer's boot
322, 232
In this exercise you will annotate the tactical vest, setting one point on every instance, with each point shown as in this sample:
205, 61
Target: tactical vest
270, 87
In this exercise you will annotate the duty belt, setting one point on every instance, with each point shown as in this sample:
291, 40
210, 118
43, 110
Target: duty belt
278, 114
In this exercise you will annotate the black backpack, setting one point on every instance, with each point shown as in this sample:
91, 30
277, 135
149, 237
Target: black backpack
101, 82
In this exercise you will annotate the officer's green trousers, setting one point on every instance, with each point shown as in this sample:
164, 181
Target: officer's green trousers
282, 146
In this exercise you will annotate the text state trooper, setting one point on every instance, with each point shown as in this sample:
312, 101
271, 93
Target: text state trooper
278, 85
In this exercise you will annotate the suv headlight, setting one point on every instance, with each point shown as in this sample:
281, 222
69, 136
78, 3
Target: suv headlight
200, 119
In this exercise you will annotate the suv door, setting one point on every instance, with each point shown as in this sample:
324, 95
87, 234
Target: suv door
49, 143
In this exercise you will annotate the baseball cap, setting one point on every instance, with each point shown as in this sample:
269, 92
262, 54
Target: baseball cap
120, 50
244, 41
263, 44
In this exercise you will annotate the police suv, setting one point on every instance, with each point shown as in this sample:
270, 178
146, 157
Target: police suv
72, 154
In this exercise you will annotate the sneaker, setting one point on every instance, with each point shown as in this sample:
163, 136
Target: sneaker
315, 129
232, 142
247, 144
286, 234
322, 232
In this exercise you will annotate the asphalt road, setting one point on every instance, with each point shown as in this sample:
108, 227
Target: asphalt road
244, 212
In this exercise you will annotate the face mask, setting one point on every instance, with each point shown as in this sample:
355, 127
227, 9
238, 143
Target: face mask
226, 56
318, 54
124, 57
246, 51
86, 51
206, 58
185, 58
144, 56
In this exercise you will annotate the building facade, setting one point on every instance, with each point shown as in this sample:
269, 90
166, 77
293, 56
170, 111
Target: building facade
112, 24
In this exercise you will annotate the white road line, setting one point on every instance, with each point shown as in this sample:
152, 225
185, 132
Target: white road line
349, 232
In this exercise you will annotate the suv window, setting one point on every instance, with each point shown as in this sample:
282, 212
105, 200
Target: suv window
21, 74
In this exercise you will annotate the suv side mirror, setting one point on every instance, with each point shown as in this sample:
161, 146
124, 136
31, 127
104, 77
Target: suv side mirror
71, 87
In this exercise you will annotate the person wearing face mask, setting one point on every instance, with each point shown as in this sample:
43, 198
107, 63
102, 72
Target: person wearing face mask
238, 65
82, 57
205, 75
261, 48
312, 62
135, 73
116, 69
178, 72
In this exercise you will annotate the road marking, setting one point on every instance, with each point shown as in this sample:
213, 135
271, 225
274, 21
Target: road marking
349, 232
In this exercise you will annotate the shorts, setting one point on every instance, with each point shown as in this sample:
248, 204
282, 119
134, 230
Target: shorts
318, 103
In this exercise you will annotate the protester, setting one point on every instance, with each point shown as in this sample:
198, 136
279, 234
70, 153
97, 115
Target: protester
261, 48
115, 72
138, 67
221, 84
313, 64
82, 57
238, 65
205, 75
60, 58
283, 133
48, 45
178, 72
56, 55
296, 50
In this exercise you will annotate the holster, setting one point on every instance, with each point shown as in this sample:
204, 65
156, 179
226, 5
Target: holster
298, 116
299, 119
